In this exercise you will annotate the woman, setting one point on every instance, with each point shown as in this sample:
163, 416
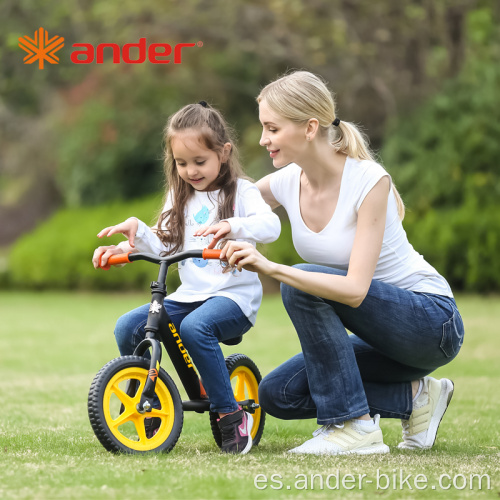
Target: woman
362, 275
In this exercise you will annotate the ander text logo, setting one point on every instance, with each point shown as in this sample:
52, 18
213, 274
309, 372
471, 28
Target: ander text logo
155, 53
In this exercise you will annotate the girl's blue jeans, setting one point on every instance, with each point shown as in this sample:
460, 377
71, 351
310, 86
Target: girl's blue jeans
397, 336
202, 325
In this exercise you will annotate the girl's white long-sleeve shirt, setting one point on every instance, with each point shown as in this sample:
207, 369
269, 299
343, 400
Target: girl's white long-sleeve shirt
253, 221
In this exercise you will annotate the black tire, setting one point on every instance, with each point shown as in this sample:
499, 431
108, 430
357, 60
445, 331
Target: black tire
105, 408
239, 363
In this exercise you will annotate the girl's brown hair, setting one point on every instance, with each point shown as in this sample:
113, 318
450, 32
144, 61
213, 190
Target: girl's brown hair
214, 133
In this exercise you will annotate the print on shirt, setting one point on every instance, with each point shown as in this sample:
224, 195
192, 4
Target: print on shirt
200, 262
202, 216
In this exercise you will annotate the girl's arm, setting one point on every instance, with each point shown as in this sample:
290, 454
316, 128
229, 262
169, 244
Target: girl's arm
350, 289
103, 253
147, 241
140, 238
257, 222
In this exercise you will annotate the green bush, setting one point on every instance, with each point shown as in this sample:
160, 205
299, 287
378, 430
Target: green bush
463, 244
58, 253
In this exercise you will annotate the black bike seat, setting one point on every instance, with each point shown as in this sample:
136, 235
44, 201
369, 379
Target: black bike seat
233, 341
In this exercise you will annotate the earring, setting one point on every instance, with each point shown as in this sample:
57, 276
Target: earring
308, 138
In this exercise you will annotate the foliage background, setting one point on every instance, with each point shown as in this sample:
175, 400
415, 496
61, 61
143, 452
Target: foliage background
80, 148
421, 77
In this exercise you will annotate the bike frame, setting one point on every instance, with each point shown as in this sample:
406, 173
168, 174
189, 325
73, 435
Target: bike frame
160, 326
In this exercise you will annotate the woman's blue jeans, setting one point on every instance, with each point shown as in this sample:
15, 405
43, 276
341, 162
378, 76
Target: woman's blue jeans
202, 325
397, 336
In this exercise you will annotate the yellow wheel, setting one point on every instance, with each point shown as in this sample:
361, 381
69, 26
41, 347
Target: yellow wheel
245, 378
112, 404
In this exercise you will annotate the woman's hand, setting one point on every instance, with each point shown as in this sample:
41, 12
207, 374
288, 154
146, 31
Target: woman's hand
218, 230
102, 254
241, 254
127, 228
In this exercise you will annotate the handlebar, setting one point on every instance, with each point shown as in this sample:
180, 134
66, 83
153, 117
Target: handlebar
127, 258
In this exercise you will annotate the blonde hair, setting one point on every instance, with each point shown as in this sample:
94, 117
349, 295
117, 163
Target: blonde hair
300, 96
214, 133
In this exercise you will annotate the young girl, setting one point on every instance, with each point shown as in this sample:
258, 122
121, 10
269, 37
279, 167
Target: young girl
206, 196
362, 274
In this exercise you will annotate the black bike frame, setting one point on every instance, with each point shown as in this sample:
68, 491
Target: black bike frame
160, 326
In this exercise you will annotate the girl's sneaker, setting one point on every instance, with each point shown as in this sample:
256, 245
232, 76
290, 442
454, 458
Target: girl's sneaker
235, 429
151, 425
420, 430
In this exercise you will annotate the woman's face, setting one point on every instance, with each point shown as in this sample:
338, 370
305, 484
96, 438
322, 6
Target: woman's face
284, 139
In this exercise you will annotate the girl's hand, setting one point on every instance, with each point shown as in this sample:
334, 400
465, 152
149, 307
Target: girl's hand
102, 254
127, 228
218, 230
241, 254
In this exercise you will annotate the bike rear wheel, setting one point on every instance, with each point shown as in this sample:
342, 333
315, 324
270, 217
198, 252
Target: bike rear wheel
245, 378
112, 406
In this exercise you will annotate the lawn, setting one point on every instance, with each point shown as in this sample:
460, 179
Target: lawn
52, 345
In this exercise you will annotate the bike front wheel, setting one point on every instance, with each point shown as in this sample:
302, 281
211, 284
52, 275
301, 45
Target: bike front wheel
112, 406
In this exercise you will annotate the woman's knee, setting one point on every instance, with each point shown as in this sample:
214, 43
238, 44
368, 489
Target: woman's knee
270, 397
275, 400
284, 391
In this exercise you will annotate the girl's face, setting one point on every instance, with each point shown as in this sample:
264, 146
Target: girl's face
284, 139
196, 164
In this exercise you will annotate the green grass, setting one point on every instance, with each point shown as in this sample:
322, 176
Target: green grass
51, 346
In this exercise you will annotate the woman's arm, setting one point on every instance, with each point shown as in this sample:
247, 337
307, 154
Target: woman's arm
350, 289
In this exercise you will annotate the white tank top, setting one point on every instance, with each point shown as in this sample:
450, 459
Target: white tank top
399, 264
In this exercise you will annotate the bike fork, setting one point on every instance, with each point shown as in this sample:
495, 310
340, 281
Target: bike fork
158, 292
146, 402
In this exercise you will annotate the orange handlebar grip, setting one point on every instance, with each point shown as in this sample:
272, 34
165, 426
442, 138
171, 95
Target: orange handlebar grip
114, 260
211, 254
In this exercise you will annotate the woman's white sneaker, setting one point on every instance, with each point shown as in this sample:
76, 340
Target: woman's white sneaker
349, 437
420, 430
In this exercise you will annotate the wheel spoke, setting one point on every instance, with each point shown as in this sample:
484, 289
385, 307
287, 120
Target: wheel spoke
141, 430
124, 398
126, 416
160, 413
138, 394
239, 390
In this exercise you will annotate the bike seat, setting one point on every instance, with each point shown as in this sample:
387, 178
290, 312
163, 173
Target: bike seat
233, 341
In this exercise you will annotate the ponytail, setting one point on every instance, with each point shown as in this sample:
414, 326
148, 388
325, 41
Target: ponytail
352, 142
